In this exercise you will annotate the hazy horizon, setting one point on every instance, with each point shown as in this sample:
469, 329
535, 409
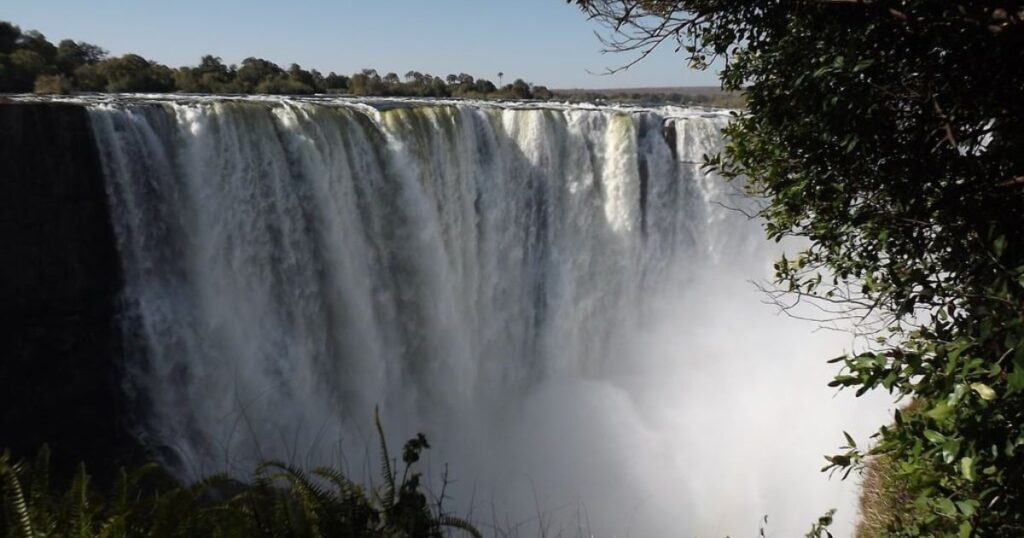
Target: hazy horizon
544, 42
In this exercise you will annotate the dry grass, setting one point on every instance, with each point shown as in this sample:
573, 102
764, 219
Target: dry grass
884, 497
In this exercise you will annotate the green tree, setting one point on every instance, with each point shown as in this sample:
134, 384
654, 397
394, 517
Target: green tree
484, 86
253, 71
133, 73
73, 54
36, 42
366, 82
888, 133
23, 66
317, 80
301, 79
9, 34
283, 85
212, 76
336, 82
541, 92
90, 78
185, 80
519, 89
436, 88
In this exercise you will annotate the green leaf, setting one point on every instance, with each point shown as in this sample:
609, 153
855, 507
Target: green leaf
1015, 380
957, 395
999, 246
862, 65
934, 436
984, 391
950, 450
945, 506
940, 412
967, 508
967, 468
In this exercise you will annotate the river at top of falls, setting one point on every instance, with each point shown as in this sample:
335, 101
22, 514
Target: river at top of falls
557, 295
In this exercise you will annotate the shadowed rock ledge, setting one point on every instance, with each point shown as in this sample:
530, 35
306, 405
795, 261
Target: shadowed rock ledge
59, 282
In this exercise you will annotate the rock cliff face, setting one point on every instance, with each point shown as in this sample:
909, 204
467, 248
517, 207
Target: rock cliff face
59, 282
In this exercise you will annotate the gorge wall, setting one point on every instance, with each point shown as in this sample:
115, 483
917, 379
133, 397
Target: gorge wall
59, 283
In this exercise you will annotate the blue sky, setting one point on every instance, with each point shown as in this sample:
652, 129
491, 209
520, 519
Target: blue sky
541, 41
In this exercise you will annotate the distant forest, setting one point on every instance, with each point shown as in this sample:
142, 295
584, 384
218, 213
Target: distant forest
701, 96
31, 63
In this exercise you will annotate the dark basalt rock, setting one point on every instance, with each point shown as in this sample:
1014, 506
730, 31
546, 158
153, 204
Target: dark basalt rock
59, 283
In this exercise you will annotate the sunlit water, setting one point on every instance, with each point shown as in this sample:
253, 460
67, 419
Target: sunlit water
557, 296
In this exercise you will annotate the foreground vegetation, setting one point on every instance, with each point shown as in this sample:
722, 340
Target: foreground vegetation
280, 501
890, 134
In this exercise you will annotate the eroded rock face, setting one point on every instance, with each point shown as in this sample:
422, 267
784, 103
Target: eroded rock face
59, 282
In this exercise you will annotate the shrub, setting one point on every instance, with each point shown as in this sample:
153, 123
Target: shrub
52, 84
279, 501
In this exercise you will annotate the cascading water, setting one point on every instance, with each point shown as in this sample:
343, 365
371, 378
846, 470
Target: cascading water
557, 296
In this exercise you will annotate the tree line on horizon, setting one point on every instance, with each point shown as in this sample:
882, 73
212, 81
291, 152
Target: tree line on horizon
29, 62
666, 96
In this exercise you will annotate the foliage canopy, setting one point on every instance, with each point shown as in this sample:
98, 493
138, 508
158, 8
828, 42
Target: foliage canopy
891, 135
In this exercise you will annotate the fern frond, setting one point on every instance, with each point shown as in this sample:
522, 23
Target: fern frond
263, 501
298, 477
459, 523
310, 496
116, 526
386, 471
347, 489
79, 505
281, 520
14, 499
165, 518
121, 485
212, 482
352, 513
40, 488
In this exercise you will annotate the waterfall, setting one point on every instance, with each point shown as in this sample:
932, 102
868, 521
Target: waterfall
557, 296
